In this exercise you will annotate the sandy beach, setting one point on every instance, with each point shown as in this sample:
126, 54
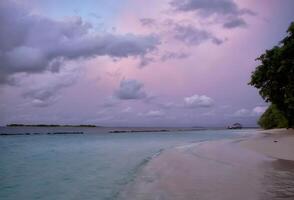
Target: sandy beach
257, 168
276, 143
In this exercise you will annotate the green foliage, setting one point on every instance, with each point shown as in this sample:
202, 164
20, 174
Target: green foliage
274, 77
273, 118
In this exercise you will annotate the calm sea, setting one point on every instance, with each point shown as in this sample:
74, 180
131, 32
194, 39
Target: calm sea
94, 165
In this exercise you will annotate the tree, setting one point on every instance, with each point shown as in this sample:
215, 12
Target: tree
274, 77
272, 118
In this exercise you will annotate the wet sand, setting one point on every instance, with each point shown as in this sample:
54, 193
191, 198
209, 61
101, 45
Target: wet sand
220, 170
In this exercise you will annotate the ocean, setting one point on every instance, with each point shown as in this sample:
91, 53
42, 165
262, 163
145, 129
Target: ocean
94, 165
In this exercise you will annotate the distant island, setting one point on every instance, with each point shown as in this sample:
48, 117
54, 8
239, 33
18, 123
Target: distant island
51, 125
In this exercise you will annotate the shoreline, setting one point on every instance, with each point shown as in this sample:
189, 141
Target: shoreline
224, 170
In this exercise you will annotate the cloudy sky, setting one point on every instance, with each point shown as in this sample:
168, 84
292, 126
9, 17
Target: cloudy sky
135, 62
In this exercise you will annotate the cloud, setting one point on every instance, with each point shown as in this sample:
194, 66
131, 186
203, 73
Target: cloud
194, 36
147, 22
210, 113
196, 101
130, 89
173, 55
127, 110
237, 22
144, 61
154, 113
208, 7
43, 103
32, 43
259, 110
110, 101
227, 10
167, 55
44, 93
256, 111
184, 30
169, 105
242, 113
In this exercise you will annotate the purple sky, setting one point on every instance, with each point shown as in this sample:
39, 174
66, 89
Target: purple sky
135, 63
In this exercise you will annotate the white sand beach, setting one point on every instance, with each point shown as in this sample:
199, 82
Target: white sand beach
255, 168
276, 143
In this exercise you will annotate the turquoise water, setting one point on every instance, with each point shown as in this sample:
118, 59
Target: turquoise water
95, 165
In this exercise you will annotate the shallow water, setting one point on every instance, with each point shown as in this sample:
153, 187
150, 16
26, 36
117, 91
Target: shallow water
94, 165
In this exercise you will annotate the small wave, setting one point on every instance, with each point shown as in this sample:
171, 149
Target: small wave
143, 163
191, 144
136, 170
132, 174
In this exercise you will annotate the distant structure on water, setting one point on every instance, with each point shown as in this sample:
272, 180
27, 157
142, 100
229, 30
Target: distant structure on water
235, 126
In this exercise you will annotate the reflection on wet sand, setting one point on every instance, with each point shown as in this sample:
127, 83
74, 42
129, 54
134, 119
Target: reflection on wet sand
210, 171
279, 180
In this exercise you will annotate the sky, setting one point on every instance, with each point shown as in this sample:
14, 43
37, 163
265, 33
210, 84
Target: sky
135, 62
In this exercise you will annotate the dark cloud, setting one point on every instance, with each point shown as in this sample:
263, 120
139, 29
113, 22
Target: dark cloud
207, 6
144, 61
45, 93
147, 22
110, 101
237, 22
173, 55
225, 9
194, 36
130, 89
31, 43
168, 55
